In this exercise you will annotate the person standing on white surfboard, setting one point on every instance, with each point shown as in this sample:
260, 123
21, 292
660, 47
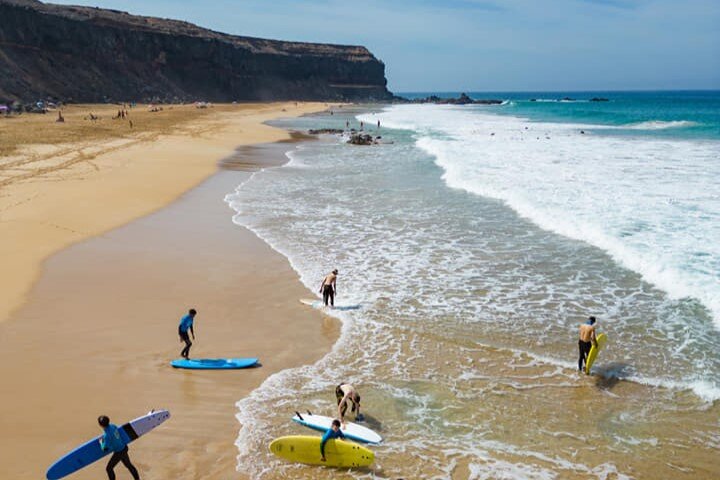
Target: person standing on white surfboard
328, 288
586, 341
186, 323
111, 440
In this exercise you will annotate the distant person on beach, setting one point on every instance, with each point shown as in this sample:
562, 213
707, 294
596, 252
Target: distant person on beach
111, 440
378, 124
328, 288
587, 340
346, 393
332, 432
186, 323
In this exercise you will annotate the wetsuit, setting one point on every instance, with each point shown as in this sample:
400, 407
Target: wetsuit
111, 440
584, 348
330, 434
328, 294
186, 324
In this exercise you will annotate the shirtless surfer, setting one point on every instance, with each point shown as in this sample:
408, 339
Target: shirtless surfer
328, 288
345, 393
587, 340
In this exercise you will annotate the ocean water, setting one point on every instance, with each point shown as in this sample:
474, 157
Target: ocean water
476, 239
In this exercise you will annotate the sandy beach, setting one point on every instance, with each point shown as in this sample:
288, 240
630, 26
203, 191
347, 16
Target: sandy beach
90, 330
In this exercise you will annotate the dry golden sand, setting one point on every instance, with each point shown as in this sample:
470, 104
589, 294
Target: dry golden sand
53, 195
96, 331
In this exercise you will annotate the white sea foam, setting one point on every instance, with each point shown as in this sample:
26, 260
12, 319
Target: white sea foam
435, 267
660, 125
651, 204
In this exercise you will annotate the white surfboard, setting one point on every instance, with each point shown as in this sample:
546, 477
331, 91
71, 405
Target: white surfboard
353, 431
90, 451
316, 303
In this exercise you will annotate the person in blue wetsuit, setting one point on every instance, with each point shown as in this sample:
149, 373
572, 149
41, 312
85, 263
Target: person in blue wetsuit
112, 441
332, 432
186, 323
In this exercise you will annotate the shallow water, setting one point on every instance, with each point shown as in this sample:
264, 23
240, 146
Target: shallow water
462, 249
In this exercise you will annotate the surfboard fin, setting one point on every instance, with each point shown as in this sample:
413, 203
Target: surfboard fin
299, 416
309, 412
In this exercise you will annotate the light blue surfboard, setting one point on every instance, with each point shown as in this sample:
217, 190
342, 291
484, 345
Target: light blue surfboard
90, 451
338, 306
214, 363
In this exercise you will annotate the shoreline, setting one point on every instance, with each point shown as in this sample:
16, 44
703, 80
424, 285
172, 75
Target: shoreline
100, 323
81, 190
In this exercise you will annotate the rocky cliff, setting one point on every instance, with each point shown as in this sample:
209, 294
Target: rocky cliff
85, 54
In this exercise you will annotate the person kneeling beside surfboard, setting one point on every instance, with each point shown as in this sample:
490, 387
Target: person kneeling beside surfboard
332, 432
111, 440
345, 393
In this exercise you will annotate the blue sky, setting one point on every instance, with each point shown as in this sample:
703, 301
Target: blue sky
478, 45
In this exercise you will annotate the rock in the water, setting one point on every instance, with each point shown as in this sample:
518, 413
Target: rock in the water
361, 139
463, 99
599, 99
320, 131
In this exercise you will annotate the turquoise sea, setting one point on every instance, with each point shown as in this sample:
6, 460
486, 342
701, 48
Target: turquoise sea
678, 114
477, 238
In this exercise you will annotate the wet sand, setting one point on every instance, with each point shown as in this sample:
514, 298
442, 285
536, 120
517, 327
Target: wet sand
100, 327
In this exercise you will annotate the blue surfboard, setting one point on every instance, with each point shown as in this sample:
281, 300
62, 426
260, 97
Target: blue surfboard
90, 451
214, 363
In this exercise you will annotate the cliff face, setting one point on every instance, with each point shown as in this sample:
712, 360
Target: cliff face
90, 55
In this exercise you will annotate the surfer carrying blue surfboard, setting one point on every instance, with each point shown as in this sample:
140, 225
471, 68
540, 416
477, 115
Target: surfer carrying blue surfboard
345, 393
332, 432
328, 288
186, 323
586, 341
113, 441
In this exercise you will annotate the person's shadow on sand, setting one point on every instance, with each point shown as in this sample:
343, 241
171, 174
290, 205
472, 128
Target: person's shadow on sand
610, 374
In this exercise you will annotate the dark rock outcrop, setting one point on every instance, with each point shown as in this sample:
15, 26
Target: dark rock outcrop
463, 99
88, 54
324, 131
361, 139
599, 99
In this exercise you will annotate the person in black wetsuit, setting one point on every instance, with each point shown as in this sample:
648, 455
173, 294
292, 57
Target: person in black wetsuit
586, 341
328, 288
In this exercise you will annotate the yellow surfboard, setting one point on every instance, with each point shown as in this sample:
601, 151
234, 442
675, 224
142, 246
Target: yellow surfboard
601, 340
306, 449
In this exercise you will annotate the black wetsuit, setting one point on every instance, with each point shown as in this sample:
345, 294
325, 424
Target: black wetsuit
185, 338
328, 294
121, 456
584, 348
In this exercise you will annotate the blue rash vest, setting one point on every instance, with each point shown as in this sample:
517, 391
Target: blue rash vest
111, 439
330, 434
186, 322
